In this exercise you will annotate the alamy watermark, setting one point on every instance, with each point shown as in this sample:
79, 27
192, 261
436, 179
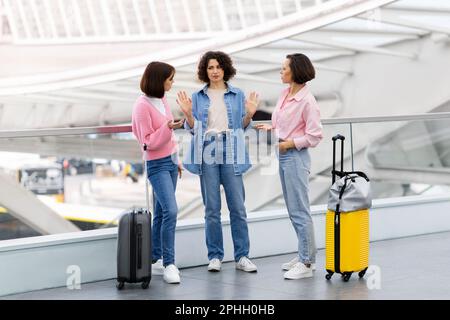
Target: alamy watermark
74, 279
373, 278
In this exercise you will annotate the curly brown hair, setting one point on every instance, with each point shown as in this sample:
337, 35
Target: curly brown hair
224, 61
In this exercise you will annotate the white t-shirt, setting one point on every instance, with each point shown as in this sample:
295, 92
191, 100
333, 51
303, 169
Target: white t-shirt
158, 103
217, 112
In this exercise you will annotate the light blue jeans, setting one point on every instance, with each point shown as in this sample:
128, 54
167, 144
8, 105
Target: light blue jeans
213, 175
294, 169
162, 174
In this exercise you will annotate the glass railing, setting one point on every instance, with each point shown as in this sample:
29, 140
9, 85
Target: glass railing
90, 176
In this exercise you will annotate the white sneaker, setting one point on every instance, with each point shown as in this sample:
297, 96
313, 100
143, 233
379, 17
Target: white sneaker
299, 271
214, 265
246, 265
158, 268
171, 274
288, 265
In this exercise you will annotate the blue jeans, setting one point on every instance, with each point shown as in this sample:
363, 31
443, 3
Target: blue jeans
221, 172
294, 169
162, 174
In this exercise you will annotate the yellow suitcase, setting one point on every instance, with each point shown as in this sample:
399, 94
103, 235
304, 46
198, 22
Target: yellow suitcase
347, 243
347, 233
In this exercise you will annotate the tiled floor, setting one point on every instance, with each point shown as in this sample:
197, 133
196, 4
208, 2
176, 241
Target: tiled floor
409, 268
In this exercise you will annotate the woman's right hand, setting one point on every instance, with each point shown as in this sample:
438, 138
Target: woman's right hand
263, 126
185, 103
175, 124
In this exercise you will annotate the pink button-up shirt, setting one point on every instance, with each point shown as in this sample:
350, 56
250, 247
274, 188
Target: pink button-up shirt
298, 119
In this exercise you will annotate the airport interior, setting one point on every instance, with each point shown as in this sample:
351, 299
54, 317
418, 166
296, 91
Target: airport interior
70, 166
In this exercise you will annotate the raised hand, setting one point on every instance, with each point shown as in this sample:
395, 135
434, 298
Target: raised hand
185, 103
251, 104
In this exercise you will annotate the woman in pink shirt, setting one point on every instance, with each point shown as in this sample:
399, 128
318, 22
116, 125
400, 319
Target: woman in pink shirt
296, 122
153, 125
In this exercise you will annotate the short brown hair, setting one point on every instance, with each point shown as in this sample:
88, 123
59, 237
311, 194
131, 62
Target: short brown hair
224, 61
301, 68
152, 81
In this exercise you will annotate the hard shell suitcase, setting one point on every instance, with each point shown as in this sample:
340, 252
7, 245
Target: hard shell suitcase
134, 245
347, 225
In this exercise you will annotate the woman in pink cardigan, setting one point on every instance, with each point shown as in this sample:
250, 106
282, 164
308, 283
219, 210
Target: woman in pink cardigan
153, 125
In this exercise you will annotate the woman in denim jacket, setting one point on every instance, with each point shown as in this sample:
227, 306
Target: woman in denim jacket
217, 116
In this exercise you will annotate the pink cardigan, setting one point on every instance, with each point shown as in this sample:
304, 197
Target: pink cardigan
150, 127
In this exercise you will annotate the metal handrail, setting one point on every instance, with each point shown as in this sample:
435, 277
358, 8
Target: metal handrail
28, 133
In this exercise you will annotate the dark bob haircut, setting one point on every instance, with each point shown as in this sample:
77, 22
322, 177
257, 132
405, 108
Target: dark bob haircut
224, 61
301, 68
156, 73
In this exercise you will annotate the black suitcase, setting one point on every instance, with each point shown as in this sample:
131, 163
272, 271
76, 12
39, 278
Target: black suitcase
134, 244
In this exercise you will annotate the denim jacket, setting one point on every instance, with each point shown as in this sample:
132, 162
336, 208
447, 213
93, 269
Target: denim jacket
235, 104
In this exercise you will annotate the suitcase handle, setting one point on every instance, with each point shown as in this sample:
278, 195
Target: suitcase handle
139, 246
147, 201
338, 137
335, 138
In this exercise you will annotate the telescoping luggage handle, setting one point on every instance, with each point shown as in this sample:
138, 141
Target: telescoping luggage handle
335, 138
147, 201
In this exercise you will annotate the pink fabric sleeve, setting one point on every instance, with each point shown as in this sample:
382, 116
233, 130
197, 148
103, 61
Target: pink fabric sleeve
313, 127
154, 139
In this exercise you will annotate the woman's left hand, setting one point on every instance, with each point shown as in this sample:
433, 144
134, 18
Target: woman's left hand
284, 146
251, 104
180, 170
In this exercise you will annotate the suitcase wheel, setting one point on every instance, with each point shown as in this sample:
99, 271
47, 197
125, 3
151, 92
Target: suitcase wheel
120, 285
362, 273
346, 276
145, 284
328, 276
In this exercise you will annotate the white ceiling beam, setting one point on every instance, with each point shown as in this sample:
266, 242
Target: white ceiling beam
78, 18
123, 17
11, 20
277, 62
187, 13
37, 18
260, 11
187, 84
117, 87
93, 17
205, 15
155, 19
353, 47
419, 9
107, 15
251, 77
391, 17
40, 98
294, 44
317, 66
169, 11
271, 31
51, 18
90, 96
372, 26
222, 15
24, 19
62, 12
